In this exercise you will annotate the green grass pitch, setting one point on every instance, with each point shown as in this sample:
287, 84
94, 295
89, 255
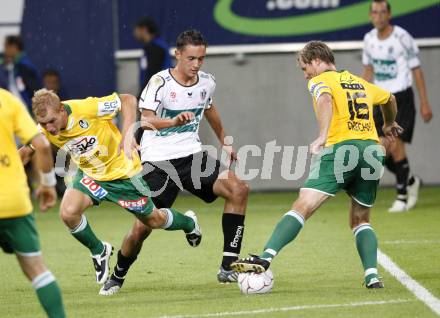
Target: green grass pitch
319, 275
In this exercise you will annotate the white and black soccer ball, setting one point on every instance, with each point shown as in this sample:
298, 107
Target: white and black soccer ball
253, 283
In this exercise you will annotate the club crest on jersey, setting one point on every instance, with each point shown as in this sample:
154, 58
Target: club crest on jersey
347, 78
81, 145
93, 187
5, 161
173, 95
134, 205
203, 94
391, 50
83, 124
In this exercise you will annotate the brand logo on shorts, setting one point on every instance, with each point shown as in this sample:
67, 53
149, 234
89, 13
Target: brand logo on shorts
134, 205
93, 187
83, 124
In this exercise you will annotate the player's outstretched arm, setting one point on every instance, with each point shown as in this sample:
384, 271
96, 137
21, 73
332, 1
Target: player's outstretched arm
149, 120
425, 107
324, 114
390, 128
26, 153
214, 120
46, 193
128, 113
368, 73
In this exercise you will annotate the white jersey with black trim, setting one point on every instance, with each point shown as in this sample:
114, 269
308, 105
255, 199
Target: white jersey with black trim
392, 58
168, 98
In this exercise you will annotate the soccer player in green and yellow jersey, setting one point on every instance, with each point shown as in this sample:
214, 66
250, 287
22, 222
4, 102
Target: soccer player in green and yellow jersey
349, 157
108, 170
18, 233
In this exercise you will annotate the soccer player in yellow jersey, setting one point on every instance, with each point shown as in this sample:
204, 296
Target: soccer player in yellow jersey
18, 233
108, 170
349, 157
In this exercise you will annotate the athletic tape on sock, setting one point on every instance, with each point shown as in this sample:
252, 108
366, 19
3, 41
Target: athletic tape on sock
296, 215
370, 271
361, 227
270, 251
230, 254
170, 219
42, 280
81, 226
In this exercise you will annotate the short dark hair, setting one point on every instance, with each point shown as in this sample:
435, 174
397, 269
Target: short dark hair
381, 1
149, 24
190, 37
15, 40
51, 72
314, 50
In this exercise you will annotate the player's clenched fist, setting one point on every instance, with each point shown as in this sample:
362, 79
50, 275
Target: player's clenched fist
183, 118
47, 197
392, 131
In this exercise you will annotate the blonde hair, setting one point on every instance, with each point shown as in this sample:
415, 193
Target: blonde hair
316, 49
44, 98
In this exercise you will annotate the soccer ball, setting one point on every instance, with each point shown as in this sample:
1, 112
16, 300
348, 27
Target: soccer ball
253, 283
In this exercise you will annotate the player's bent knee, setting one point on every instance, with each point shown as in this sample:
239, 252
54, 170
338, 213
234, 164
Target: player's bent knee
156, 219
70, 214
225, 175
240, 191
140, 231
304, 207
32, 266
245, 187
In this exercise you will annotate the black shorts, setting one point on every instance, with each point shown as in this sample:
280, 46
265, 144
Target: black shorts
406, 115
195, 173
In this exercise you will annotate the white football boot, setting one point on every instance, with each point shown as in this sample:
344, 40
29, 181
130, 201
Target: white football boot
413, 193
195, 236
398, 206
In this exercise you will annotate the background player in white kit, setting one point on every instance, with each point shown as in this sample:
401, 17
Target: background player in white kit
390, 59
174, 102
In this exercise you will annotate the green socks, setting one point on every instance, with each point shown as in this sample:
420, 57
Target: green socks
292, 222
83, 233
49, 295
177, 221
285, 232
366, 244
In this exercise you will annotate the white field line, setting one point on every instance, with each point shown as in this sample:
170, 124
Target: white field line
414, 287
397, 242
293, 308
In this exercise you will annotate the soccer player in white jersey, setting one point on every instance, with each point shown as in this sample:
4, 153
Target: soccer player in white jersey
174, 102
390, 58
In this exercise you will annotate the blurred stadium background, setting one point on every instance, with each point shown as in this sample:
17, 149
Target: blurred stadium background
262, 97
91, 44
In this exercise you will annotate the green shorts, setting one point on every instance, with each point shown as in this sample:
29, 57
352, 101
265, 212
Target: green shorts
132, 194
355, 166
19, 235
